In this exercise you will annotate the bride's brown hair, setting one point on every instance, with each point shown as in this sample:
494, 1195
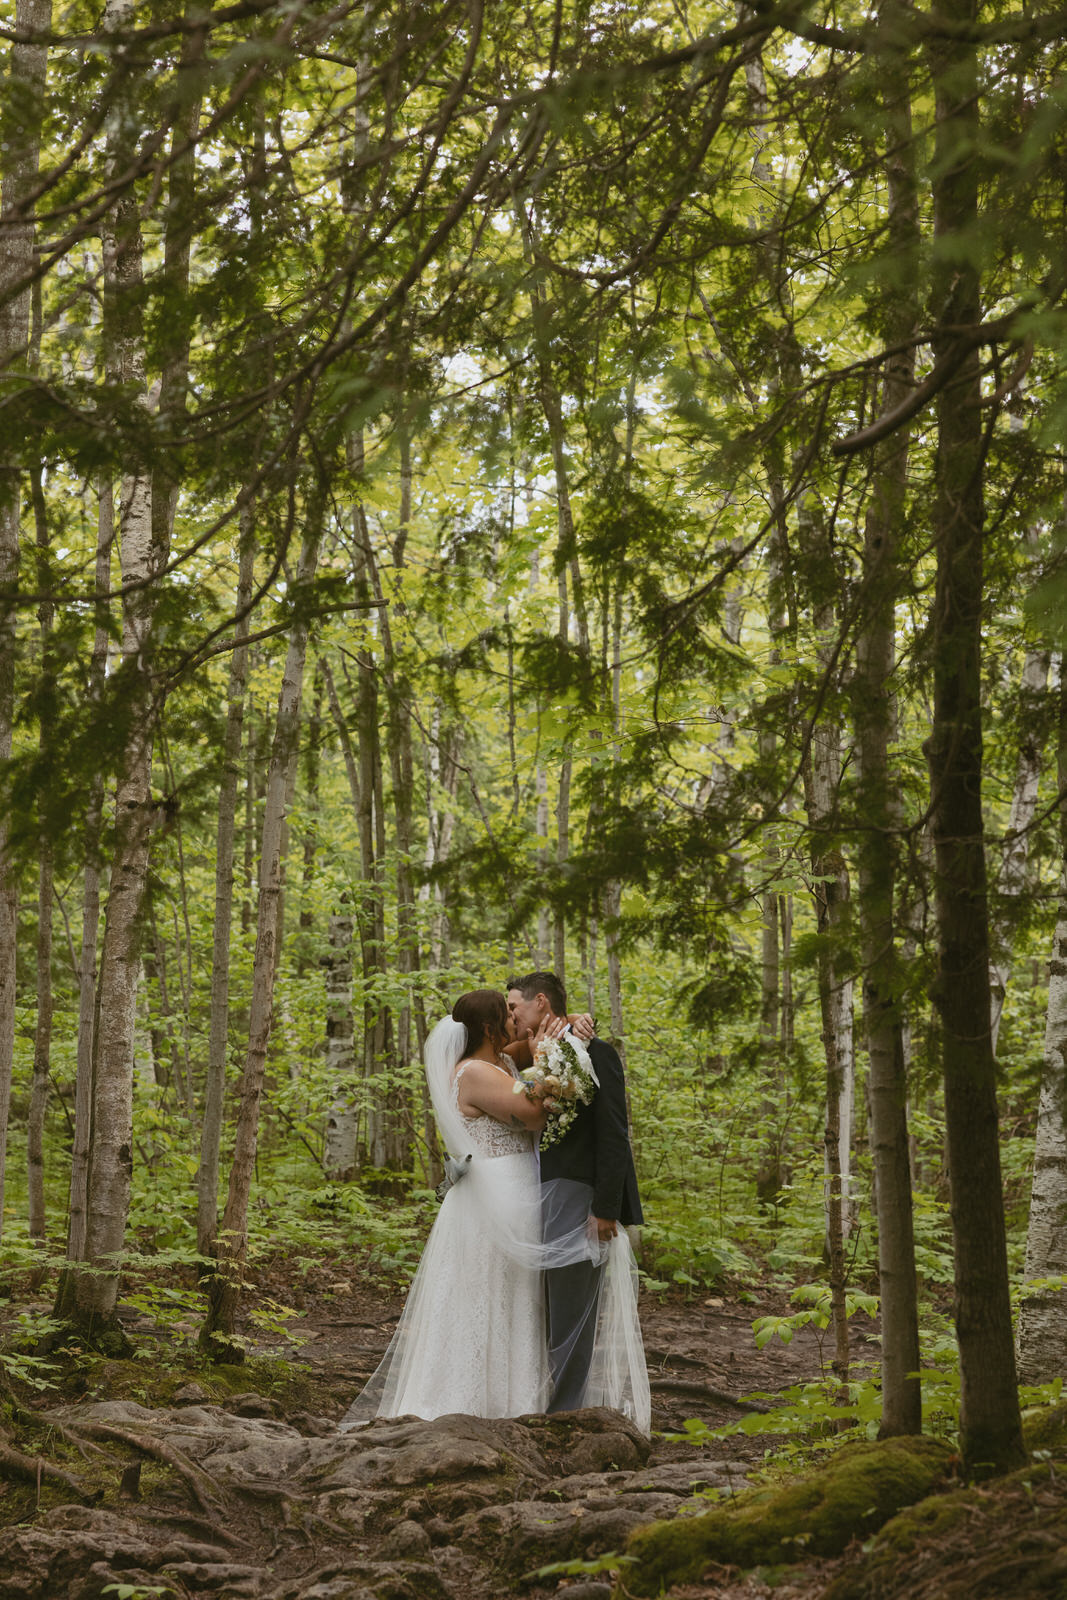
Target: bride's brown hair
484, 1014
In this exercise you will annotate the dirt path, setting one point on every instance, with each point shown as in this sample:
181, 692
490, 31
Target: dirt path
231, 1483
697, 1350
164, 1475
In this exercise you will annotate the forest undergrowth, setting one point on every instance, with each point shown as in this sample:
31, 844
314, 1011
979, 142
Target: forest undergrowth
316, 1329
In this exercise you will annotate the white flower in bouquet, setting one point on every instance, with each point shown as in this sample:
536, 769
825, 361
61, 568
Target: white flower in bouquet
564, 1071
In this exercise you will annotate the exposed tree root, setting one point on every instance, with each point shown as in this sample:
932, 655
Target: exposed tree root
204, 1526
18, 1468
704, 1391
83, 1446
195, 1481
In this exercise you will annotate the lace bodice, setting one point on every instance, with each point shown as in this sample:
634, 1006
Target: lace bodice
488, 1136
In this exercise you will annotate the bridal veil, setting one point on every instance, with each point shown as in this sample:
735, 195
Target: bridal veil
471, 1336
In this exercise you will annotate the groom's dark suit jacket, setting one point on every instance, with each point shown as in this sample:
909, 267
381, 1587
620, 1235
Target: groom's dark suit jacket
596, 1150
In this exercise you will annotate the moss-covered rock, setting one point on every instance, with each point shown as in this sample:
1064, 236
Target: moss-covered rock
1046, 1429
930, 1522
854, 1494
155, 1383
1005, 1537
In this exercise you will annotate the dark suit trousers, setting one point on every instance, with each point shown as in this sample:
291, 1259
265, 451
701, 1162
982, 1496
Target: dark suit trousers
572, 1295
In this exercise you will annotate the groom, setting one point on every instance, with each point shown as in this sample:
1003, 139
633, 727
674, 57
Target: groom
595, 1158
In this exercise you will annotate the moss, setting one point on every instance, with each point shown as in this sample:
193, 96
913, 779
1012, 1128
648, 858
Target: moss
929, 1523
154, 1383
1003, 1538
818, 1515
1046, 1429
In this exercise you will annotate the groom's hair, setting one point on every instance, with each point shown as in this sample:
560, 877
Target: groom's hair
546, 983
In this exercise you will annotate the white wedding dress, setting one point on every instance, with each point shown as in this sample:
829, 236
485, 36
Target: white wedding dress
471, 1338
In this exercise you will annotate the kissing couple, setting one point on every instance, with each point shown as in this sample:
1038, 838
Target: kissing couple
525, 1299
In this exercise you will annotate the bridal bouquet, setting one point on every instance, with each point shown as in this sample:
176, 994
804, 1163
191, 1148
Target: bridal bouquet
563, 1069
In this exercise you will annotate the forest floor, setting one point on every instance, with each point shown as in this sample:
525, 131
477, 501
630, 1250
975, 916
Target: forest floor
232, 1482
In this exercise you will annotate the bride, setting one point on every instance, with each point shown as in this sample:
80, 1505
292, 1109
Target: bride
472, 1335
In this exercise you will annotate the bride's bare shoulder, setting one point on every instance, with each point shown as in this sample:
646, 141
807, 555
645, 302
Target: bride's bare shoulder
480, 1069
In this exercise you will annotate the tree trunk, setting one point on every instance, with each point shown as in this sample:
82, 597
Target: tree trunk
339, 1146
19, 161
218, 1034
42, 1045
341, 1155
1042, 1335
442, 758
250, 798
94, 1291
401, 764
42, 1033
541, 825
990, 1428
218, 1334
1012, 876
874, 718
612, 911
79, 1164
831, 888
371, 915
312, 765
541, 311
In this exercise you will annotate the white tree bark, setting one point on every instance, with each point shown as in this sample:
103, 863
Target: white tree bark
821, 766
339, 1151
443, 753
111, 1116
874, 719
218, 1038
42, 1050
1012, 876
217, 1333
613, 891
1042, 1332
79, 1166
95, 1291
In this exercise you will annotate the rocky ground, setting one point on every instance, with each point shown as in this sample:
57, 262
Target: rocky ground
162, 1475
235, 1483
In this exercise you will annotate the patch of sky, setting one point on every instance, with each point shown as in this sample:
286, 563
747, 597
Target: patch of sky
462, 370
798, 55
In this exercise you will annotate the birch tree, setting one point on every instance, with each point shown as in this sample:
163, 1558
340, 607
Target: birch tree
90, 1292
90, 928
1011, 879
875, 721
218, 1042
339, 1142
1042, 1332
218, 1333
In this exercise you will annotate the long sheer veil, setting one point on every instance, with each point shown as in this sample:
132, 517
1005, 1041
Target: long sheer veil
444, 1051
501, 1202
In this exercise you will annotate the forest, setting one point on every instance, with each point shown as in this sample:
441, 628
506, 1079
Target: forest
576, 484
